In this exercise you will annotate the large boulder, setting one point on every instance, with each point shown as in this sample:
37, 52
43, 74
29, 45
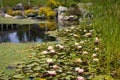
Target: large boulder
31, 15
19, 17
19, 6
8, 16
41, 17
61, 9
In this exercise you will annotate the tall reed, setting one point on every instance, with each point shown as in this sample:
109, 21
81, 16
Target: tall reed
107, 23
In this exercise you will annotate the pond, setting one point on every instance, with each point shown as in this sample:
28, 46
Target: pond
23, 33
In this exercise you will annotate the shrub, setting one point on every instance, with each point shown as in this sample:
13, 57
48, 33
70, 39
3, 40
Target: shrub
10, 11
30, 11
47, 11
53, 3
18, 12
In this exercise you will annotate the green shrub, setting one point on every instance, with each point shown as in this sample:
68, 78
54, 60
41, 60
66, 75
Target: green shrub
53, 3
30, 11
47, 11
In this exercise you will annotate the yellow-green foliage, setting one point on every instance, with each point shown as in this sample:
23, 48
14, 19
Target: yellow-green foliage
30, 11
47, 11
51, 25
53, 3
10, 11
18, 12
13, 13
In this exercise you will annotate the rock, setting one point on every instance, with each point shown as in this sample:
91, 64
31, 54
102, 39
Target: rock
69, 18
72, 18
41, 17
19, 6
19, 17
31, 15
9, 16
61, 11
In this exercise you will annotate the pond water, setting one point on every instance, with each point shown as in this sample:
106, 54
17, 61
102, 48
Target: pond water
30, 32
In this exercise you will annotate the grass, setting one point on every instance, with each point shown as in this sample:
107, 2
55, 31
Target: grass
19, 21
12, 3
107, 24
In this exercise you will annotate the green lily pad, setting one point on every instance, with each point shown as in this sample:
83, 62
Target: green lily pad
18, 76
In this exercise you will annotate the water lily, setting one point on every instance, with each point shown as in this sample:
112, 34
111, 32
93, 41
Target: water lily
59, 46
52, 73
85, 30
78, 60
94, 55
85, 52
91, 30
67, 30
52, 51
45, 52
49, 61
72, 27
79, 47
82, 42
76, 44
96, 59
50, 47
79, 70
75, 35
96, 49
55, 66
80, 78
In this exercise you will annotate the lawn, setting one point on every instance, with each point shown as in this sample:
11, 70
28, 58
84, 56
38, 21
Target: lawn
18, 21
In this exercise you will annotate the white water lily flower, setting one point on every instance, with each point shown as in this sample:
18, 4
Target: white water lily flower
76, 44
79, 47
67, 30
75, 35
55, 66
81, 42
79, 70
80, 78
44, 52
49, 60
85, 30
52, 73
50, 47
96, 49
78, 60
96, 59
52, 51
91, 30
85, 52
72, 27
94, 55
59, 46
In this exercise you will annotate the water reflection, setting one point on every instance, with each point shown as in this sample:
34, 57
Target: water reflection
28, 33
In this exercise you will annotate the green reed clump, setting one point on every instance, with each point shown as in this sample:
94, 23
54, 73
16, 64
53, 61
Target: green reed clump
107, 24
